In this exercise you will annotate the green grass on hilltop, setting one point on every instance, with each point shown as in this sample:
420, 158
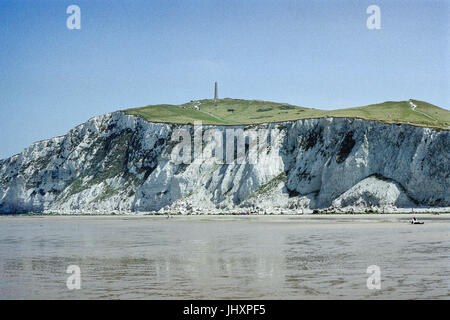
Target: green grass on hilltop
237, 112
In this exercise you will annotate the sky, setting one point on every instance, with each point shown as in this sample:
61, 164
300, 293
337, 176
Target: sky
134, 53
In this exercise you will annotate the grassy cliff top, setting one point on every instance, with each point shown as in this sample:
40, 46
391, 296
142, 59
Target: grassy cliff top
237, 112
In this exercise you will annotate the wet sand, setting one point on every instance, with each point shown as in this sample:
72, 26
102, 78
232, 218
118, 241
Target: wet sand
225, 257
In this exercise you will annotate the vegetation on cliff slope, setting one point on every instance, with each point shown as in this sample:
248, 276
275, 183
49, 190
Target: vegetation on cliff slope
237, 112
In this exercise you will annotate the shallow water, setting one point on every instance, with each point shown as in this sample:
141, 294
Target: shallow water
207, 257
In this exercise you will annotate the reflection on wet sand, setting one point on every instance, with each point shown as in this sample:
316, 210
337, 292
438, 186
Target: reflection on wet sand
139, 258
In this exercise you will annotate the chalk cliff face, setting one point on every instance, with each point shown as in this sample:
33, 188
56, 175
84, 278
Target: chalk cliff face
122, 163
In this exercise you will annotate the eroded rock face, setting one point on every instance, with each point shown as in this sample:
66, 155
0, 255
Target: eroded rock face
374, 191
122, 163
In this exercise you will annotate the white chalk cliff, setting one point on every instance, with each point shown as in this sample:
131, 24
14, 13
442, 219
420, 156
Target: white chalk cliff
122, 163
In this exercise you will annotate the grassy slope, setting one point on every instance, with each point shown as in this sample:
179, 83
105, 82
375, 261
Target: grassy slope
235, 111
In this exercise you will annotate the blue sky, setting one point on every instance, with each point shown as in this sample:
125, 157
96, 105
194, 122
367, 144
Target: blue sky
133, 53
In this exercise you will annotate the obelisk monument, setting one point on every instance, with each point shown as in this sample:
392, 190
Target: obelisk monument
216, 93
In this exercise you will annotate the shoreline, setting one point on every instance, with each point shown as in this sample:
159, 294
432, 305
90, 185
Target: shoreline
245, 212
254, 217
